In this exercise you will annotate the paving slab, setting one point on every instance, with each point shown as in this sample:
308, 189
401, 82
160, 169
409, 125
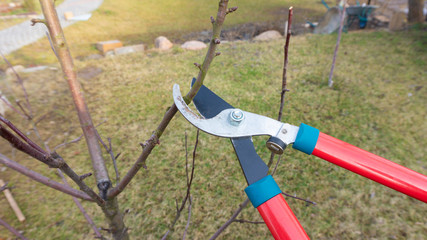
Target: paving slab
15, 37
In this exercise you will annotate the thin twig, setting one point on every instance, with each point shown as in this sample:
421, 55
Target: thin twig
20, 82
22, 135
231, 220
246, 221
277, 164
53, 160
66, 143
74, 140
109, 150
79, 205
82, 177
188, 218
4, 187
34, 21
189, 182
282, 100
42, 179
12, 107
298, 198
12, 230
330, 82
285, 63
51, 45
27, 116
151, 143
284, 75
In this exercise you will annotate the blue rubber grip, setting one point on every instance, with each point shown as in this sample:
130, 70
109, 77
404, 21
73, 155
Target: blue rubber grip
306, 139
262, 191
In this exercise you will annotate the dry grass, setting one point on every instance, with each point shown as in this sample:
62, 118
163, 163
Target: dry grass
135, 22
378, 103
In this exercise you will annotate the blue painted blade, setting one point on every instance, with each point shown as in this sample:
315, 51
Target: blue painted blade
209, 105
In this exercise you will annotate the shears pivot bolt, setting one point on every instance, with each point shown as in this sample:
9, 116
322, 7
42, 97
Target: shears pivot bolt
236, 117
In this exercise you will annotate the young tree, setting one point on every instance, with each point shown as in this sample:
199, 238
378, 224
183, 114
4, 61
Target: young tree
107, 197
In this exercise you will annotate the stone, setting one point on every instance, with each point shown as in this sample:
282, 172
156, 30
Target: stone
162, 43
397, 21
129, 49
34, 69
3, 104
109, 53
268, 35
382, 18
17, 68
68, 15
106, 46
193, 45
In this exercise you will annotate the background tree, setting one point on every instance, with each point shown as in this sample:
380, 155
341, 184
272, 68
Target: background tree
108, 191
415, 13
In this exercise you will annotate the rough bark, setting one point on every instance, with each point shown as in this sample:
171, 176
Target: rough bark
111, 208
415, 13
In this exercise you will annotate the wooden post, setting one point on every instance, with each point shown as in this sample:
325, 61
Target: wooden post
13, 203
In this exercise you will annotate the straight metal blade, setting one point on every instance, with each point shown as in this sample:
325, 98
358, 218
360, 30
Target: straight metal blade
209, 105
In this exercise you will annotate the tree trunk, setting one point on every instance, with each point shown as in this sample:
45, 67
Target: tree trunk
415, 14
111, 208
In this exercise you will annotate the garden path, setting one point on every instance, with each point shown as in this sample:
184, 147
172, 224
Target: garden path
22, 34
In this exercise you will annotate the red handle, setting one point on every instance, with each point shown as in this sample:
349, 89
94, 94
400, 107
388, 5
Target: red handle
372, 166
280, 219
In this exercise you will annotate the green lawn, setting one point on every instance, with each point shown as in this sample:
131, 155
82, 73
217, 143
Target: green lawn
135, 22
378, 103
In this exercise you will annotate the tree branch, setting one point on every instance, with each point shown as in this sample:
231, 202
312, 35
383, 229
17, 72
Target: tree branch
66, 61
42, 179
188, 219
12, 230
190, 177
246, 221
11, 106
154, 139
231, 220
53, 160
21, 134
4, 187
82, 210
330, 82
282, 100
285, 63
20, 82
109, 150
298, 198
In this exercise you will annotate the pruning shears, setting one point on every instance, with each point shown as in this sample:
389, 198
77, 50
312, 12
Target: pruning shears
223, 120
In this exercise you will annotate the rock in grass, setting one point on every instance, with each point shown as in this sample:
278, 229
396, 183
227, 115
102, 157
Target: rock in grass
268, 35
193, 45
3, 104
17, 68
162, 43
129, 49
106, 46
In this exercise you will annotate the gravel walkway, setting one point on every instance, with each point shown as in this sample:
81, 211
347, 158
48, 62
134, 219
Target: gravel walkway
15, 37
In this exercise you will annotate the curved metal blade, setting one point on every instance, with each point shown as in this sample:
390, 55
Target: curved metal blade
223, 125
209, 105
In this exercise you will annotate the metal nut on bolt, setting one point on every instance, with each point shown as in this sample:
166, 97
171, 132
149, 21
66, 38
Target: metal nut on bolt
236, 117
